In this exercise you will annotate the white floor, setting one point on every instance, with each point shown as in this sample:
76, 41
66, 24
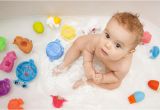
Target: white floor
37, 95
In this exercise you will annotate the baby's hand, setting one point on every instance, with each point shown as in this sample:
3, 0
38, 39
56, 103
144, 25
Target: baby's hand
59, 69
97, 78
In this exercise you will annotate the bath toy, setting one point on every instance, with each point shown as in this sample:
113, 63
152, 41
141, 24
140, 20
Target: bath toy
38, 27
154, 52
2, 43
136, 97
5, 86
146, 37
68, 32
15, 104
58, 101
24, 44
54, 50
53, 21
8, 62
25, 72
154, 85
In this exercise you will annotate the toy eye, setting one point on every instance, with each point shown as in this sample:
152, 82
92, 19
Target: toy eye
107, 35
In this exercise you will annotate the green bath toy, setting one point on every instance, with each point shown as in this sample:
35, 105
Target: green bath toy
38, 27
2, 43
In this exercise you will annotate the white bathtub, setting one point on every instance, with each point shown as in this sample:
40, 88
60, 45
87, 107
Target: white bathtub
16, 18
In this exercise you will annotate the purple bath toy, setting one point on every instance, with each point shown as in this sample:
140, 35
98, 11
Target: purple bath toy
8, 62
4, 86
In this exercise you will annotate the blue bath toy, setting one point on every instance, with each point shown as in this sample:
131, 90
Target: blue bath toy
54, 50
154, 52
136, 97
25, 72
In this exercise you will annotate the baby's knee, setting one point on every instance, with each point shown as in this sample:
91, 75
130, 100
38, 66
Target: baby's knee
113, 86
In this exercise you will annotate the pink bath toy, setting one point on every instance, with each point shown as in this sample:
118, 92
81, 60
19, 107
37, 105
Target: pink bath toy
146, 37
8, 62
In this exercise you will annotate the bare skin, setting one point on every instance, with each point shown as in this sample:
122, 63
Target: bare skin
114, 47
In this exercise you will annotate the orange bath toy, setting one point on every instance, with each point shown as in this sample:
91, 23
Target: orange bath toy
15, 104
24, 44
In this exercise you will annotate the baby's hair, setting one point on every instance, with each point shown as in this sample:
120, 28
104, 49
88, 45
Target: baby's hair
131, 22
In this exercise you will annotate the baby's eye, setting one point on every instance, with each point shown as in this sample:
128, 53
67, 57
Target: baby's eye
107, 35
118, 45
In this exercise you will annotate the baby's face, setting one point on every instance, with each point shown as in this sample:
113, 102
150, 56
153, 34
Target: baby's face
116, 42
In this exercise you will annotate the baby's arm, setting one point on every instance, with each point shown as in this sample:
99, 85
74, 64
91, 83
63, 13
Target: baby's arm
87, 62
111, 77
88, 54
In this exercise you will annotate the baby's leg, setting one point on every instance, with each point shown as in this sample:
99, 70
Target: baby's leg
72, 54
105, 86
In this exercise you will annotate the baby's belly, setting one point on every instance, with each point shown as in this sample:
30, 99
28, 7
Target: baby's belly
99, 66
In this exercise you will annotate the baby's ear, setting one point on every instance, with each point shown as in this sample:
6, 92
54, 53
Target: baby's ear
132, 51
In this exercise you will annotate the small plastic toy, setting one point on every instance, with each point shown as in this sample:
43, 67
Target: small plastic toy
8, 62
2, 43
136, 97
53, 21
38, 27
68, 32
24, 44
5, 86
154, 52
54, 50
15, 104
154, 85
25, 72
58, 101
146, 37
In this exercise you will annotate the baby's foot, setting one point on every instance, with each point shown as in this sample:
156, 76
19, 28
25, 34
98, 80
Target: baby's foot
78, 83
59, 69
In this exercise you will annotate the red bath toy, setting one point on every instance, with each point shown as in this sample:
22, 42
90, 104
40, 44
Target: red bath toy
58, 101
15, 104
154, 84
8, 62
146, 37
24, 44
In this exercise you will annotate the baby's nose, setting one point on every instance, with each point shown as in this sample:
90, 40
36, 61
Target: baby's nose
108, 45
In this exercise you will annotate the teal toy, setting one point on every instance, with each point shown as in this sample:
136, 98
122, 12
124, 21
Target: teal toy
154, 52
38, 27
2, 43
25, 72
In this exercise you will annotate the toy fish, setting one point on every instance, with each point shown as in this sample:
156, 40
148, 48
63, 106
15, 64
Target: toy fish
53, 21
146, 37
54, 50
5, 86
38, 27
154, 52
136, 97
15, 104
24, 44
25, 72
58, 101
2, 43
154, 85
8, 62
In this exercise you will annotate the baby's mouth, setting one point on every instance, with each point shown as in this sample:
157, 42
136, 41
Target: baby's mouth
104, 52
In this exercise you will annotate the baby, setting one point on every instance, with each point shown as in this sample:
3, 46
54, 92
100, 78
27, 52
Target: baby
114, 47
